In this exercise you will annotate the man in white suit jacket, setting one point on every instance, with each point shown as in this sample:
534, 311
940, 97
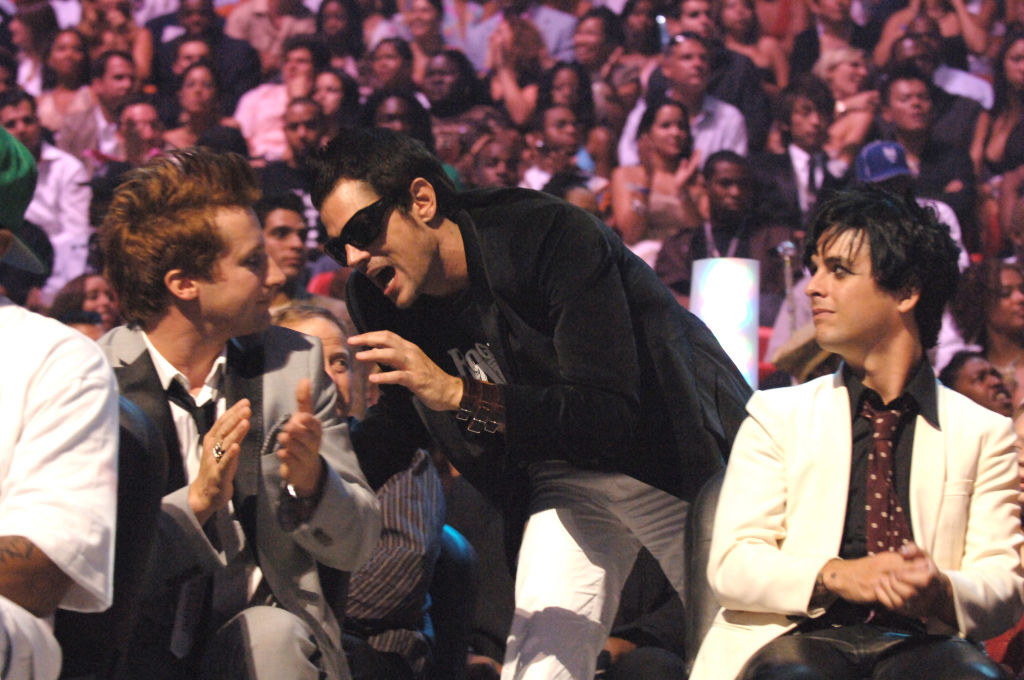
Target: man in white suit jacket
272, 496
802, 594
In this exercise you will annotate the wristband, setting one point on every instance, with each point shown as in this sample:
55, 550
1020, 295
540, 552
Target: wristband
482, 405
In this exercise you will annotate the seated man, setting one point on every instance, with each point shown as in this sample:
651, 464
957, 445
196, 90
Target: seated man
284, 236
58, 452
273, 489
868, 523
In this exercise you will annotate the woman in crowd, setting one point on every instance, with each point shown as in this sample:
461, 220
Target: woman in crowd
515, 62
391, 66
845, 71
109, 25
568, 84
198, 97
65, 80
87, 293
33, 29
655, 199
1004, 125
340, 22
423, 19
459, 107
398, 110
741, 33
641, 37
989, 310
337, 93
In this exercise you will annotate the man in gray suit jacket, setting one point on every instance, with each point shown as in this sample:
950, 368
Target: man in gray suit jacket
273, 490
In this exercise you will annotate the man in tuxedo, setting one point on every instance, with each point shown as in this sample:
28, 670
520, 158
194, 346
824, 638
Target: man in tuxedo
263, 486
790, 183
879, 507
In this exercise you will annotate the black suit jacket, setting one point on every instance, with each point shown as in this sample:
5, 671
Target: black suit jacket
604, 368
778, 200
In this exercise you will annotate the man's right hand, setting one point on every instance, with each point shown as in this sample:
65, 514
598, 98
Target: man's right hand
857, 580
214, 485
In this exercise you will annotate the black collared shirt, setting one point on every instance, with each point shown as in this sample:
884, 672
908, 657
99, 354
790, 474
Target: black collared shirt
918, 398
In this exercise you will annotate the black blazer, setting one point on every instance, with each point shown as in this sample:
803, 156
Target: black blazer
604, 368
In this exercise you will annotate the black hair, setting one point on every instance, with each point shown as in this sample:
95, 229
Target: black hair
49, 77
805, 86
951, 371
906, 70
311, 42
612, 24
284, 201
1003, 92
15, 97
980, 289
582, 107
9, 64
350, 42
910, 249
98, 67
651, 112
723, 156
386, 160
418, 118
134, 99
650, 41
201, 63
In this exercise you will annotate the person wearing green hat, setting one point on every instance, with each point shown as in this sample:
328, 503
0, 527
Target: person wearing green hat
58, 457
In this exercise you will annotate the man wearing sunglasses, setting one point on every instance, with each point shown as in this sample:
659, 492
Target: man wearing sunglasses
556, 372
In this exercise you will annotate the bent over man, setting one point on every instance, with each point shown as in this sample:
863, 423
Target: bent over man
552, 366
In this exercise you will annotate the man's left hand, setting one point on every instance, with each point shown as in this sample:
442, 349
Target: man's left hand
299, 445
918, 588
413, 369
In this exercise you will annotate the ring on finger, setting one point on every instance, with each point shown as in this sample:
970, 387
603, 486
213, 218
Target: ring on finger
218, 451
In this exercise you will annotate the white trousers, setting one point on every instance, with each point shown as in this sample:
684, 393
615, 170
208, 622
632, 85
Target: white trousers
581, 540
28, 650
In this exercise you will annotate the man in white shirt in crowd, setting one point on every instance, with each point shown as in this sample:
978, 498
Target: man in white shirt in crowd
714, 124
60, 205
58, 459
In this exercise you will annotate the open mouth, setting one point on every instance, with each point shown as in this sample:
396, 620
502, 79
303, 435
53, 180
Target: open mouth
384, 276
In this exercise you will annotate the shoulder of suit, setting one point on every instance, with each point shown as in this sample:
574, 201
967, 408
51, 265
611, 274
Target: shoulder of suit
967, 410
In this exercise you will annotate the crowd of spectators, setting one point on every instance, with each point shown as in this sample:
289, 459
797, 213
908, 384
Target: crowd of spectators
623, 103
693, 128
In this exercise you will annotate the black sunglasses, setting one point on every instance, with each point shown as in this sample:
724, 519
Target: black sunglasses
360, 230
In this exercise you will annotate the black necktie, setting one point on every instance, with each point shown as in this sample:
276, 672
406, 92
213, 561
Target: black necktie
202, 415
812, 180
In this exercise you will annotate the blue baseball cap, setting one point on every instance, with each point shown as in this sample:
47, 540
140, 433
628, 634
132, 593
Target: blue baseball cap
881, 160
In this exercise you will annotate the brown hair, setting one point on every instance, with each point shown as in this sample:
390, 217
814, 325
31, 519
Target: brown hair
162, 218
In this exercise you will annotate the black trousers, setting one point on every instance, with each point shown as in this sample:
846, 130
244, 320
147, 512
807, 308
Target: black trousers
858, 651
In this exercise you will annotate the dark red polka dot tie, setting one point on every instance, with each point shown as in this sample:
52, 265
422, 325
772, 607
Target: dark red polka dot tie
887, 527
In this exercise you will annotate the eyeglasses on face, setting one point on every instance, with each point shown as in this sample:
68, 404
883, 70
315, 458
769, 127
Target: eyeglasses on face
361, 230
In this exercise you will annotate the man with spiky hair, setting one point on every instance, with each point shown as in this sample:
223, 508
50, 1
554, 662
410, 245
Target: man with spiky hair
263, 487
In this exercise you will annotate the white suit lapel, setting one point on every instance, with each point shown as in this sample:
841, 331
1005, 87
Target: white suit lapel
833, 465
927, 473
